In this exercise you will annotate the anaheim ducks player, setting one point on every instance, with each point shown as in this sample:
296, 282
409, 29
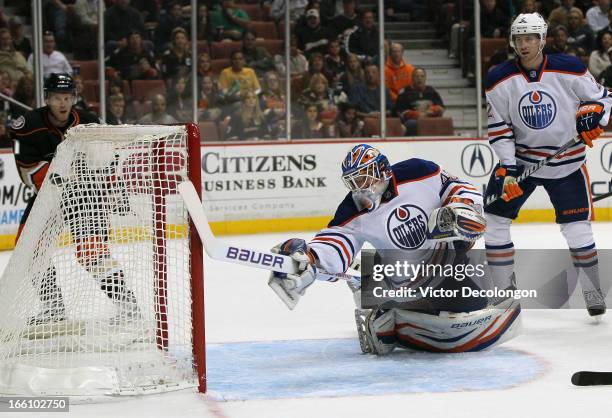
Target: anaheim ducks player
36, 136
407, 206
536, 103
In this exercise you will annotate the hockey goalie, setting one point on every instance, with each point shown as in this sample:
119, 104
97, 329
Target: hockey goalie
450, 220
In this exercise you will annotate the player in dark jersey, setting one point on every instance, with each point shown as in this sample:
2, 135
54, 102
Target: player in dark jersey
36, 136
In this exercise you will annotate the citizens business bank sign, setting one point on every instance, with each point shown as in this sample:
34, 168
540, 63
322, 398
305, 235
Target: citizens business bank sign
255, 181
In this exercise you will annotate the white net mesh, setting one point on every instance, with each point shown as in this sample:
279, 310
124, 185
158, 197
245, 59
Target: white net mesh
96, 298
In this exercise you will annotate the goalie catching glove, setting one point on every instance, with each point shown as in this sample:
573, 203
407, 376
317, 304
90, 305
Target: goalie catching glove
291, 287
459, 220
588, 117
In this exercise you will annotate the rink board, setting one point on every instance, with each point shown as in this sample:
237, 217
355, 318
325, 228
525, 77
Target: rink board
280, 186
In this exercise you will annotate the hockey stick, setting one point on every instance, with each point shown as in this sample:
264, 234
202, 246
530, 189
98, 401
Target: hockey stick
541, 163
602, 197
232, 253
584, 378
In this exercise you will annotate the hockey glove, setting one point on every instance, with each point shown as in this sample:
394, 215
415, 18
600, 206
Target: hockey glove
459, 220
587, 121
291, 287
510, 188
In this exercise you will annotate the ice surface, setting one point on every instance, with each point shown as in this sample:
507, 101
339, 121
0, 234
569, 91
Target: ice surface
242, 309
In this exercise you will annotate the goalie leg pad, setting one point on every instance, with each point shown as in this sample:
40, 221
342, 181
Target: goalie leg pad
458, 332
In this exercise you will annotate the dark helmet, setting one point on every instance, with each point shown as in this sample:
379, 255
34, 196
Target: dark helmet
59, 82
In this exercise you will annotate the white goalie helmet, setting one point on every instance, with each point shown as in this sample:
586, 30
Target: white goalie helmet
527, 23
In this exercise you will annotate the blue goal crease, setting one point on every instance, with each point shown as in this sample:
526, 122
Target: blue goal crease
336, 368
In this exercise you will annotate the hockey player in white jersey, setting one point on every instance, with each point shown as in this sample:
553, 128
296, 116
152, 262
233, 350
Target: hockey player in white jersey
408, 206
535, 104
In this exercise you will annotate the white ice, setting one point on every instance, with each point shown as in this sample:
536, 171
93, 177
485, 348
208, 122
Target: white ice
240, 307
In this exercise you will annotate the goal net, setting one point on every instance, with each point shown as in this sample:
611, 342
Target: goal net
103, 294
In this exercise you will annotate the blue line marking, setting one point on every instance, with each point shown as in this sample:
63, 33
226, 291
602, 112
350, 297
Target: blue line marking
334, 368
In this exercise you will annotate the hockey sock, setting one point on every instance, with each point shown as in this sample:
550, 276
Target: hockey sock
586, 262
500, 259
114, 287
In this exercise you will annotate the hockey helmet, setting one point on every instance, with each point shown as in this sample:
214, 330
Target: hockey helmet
59, 82
364, 162
528, 23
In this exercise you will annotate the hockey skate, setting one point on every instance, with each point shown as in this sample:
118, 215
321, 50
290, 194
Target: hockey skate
128, 310
51, 311
362, 320
595, 303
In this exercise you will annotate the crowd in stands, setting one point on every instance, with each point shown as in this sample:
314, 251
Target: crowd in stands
333, 65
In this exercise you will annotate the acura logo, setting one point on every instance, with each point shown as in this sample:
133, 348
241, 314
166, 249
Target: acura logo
477, 160
606, 157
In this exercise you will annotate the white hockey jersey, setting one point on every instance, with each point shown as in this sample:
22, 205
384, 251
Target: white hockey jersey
416, 188
533, 113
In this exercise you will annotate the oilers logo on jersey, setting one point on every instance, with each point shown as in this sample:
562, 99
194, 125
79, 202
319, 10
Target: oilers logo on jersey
407, 227
537, 109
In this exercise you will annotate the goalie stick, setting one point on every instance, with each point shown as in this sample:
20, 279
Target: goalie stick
541, 163
238, 254
585, 378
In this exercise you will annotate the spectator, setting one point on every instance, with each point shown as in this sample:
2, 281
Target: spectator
179, 100
256, 57
345, 22
530, 6
559, 15
297, 60
348, 125
580, 35
149, 9
158, 115
204, 28
228, 21
597, 16
82, 25
211, 102
600, 59
176, 61
204, 65
334, 62
560, 46
494, 22
119, 21
354, 73
80, 101
127, 60
398, 73
238, 78
25, 94
20, 42
417, 102
6, 84
167, 23
367, 95
296, 9
319, 93
609, 27
249, 122
316, 65
53, 61
115, 114
310, 125
364, 41
313, 37
11, 61
273, 97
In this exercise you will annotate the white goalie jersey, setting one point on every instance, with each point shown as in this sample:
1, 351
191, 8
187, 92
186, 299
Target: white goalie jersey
416, 188
532, 113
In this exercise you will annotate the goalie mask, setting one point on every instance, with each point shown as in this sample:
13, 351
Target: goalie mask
366, 173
